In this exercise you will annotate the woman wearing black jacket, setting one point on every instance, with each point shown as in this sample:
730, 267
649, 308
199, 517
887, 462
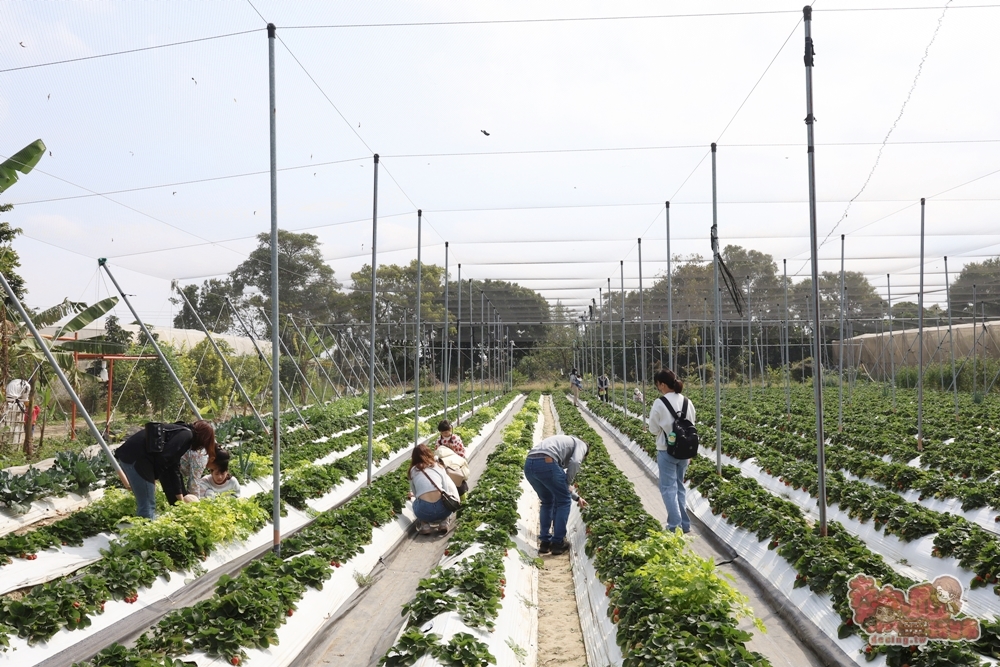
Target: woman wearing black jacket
143, 467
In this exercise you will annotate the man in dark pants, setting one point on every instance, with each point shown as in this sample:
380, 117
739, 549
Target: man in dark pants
550, 468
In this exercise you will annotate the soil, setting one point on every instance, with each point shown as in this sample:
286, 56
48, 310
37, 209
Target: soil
560, 639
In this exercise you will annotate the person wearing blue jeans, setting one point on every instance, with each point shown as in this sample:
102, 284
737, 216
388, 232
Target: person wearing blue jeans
550, 468
143, 490
672, 469
429, 481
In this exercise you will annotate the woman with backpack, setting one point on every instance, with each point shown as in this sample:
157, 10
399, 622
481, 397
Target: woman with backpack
671, 421
155, 454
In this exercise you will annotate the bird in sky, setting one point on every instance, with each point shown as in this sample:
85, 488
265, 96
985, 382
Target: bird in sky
175, 192
22, 45
50, 153
195, 82
49, 96
485, 132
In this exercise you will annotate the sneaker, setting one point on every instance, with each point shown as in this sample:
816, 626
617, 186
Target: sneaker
559, 548
544, 547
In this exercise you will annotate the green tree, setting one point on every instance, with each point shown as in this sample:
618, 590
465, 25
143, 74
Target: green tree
9, 260
986, 278
306, 287
209, 302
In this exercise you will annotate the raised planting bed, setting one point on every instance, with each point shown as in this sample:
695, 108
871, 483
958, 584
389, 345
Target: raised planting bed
475, 607
773, 535
669, 605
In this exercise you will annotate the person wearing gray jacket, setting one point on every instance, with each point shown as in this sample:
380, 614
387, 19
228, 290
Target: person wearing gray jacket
550, 468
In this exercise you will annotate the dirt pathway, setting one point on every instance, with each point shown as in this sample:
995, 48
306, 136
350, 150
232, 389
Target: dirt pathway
560, 640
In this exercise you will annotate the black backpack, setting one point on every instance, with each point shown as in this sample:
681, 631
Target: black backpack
685, 445
158, 435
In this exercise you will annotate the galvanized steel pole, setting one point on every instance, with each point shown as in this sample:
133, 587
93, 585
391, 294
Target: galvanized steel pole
920, 337
670, 301
371, 350
840, 371
642, 337
814, 260
717, 365
275, 352
103, 263
419, 337
951, 338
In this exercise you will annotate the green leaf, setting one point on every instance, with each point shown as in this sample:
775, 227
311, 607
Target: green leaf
90, 314
22, 161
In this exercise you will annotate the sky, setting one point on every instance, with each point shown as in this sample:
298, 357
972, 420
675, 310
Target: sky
597, 114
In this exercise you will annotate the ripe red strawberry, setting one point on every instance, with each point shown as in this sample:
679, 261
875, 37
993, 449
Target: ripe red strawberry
76, 605
291, 611
235, 660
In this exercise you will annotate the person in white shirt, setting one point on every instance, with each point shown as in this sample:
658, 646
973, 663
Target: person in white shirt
672, 469
428, 480
220, 480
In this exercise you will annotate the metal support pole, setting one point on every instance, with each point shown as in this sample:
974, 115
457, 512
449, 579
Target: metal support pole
951, 338
225, 362
749, 343
371, 349
446, 361
670, 301
103, 263
788, 351
840, 371
621, 266
275, 354
43, 346
611, 343
482, 343
419, 337
642, 337
817, 342
892, 342
920, 338
472, 351
458, 327
604, 368
717, 366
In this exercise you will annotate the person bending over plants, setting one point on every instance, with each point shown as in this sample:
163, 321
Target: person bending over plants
219, 480
435, 497
550, 468
155, 454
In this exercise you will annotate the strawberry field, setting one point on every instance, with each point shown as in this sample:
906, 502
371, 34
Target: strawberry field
99, 565
897, 513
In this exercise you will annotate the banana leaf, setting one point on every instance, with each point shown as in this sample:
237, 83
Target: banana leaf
90, 314
55, 313
22, 161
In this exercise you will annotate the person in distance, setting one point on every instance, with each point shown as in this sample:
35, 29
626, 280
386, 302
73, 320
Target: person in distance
550, 468
603, 383
143, 462
575, 385
429, 482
